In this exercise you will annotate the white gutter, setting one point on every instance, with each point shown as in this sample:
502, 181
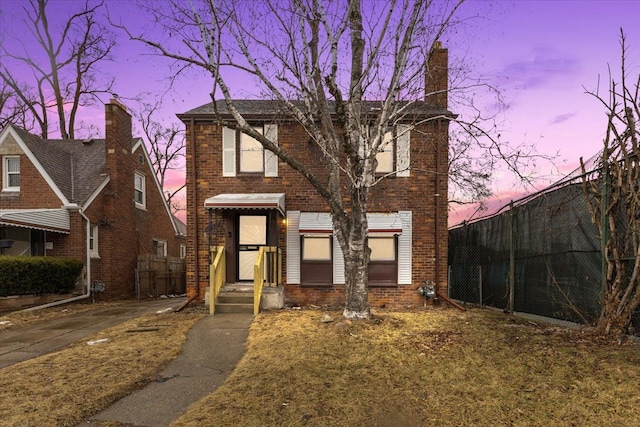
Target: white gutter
80, 297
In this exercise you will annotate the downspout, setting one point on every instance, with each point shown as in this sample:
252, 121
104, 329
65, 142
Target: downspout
436, 217
194, 203
88, 255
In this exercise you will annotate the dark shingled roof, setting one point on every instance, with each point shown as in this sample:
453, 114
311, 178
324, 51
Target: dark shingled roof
261, 107
76, 167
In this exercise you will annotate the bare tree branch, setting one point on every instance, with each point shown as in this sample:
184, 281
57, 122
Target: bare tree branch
68, 77
613, 197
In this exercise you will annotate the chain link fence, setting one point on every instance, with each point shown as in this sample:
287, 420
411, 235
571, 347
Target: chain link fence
546, 242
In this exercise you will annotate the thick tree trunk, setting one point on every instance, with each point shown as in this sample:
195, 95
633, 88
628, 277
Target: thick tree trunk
356, 256
356, 266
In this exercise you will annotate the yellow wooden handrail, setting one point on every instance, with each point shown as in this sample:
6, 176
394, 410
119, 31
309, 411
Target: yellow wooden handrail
273, 279
217, 275
258, 280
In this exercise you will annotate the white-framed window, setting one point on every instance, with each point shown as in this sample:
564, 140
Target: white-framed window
11, 173
244, 154
251, 154
93, 241
389, 237
183, 251
385, 157
139, 191
160, 248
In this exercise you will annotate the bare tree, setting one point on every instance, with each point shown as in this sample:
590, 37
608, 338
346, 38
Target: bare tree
12, 109
320, 61
614, 201
166, 148
63, 73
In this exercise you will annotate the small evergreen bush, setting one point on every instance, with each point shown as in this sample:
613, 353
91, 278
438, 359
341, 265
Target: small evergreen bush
37, 275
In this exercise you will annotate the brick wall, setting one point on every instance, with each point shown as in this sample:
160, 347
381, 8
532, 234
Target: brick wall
125, 230
34, 192
416, 193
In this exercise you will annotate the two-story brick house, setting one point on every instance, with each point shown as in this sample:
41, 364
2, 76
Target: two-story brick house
96, 200
241, 196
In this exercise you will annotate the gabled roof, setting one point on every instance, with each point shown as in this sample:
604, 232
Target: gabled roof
75, 167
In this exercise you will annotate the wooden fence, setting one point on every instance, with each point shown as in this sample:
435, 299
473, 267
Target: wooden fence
156, 276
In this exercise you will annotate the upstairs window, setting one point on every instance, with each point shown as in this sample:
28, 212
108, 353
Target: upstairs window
139, 190
11, 173
245, 155
251, 154
395, 152
385, 157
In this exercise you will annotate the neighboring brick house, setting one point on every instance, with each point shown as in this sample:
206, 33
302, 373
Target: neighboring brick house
96, 200
241, 196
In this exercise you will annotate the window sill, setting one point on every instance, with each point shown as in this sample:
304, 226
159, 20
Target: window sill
141, 207
383, 285
94, 256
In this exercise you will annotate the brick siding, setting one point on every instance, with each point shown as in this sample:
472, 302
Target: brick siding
416, 193
125, 231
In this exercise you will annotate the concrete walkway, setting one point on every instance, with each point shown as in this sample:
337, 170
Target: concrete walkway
26, 342
214, 346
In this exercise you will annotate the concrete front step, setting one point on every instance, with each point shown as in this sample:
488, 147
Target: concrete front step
234, 308
235, 298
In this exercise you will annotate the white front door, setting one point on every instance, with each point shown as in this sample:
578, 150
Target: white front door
252, 233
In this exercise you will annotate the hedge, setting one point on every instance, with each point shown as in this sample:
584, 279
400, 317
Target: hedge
20, 275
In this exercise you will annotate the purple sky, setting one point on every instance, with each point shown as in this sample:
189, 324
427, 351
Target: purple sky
542, 54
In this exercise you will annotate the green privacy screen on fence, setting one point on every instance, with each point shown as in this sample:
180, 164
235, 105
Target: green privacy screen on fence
550, 244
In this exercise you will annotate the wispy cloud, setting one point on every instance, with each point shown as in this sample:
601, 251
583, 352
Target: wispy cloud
543, 68
561, 118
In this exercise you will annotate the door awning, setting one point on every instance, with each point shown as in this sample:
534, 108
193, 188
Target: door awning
379, 223
56, 220
247, 201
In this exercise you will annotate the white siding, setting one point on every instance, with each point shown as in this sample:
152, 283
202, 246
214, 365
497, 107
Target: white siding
338, 263
270, 159
316, 222
403, 146
228, 152
404, 249
293, 248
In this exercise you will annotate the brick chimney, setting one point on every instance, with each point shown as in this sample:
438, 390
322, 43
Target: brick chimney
117, 143
436, 78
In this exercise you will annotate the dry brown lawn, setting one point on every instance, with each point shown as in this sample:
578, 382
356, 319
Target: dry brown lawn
65, 387
438, 367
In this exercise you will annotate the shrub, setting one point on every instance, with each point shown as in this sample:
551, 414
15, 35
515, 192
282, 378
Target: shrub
37, 275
